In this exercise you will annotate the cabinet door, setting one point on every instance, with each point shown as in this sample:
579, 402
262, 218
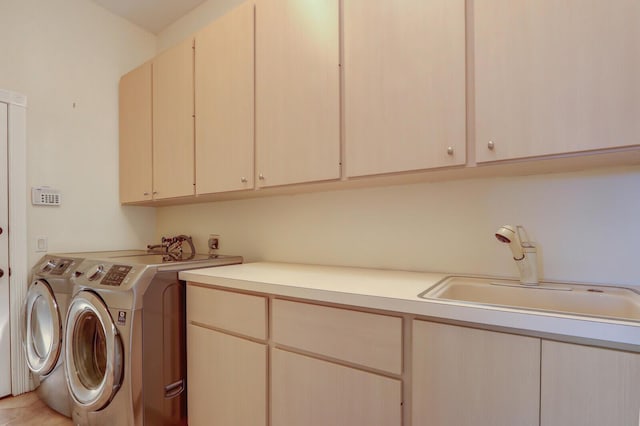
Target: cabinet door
173, 157
227, 379
297, 91
463, 376
306, 391
404, 85
589, 386
555, 77
224, 103
135, 135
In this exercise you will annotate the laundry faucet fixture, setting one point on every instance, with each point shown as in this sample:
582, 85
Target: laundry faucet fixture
524, 252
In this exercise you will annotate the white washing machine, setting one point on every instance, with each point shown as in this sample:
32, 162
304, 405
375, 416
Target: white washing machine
44, 315
125, 339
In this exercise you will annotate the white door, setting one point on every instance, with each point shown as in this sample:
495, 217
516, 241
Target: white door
5, 331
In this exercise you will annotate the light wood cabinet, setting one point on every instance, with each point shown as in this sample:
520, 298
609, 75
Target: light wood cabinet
463, 376
589, 386
297, 91
173, 122
404, 85
135, 135
554, 77
312, 392
307, 390
224, 84
226, 372
227, 379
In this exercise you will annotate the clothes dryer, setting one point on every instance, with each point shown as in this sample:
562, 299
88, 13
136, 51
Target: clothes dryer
125, 339
44, 316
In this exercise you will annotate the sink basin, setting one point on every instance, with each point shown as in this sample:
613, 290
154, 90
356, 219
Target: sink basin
577, 299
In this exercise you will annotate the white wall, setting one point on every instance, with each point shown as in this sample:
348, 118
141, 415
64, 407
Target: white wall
62, 53
587, 225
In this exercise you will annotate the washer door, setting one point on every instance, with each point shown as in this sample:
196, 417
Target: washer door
42, 328
93, 352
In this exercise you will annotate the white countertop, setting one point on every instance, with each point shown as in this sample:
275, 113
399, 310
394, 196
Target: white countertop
397, 291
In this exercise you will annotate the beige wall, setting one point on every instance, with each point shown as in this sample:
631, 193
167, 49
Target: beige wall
587, 225
60, 53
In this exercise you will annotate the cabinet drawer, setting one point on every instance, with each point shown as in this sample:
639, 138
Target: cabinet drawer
370, 340
238, 313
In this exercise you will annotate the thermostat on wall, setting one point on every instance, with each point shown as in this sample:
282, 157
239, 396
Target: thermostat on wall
45, 196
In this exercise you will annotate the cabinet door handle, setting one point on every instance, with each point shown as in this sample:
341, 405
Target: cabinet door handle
243, 179
491, 145
450, 150
261, 176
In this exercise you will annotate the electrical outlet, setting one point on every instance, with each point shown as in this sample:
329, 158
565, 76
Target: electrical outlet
214, 242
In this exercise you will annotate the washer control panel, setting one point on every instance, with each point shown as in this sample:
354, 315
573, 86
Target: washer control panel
116, 275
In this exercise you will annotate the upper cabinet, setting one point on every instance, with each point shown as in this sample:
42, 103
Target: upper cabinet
260, 97
224, 85
404, 85
173, 122
135, 135
555, 77
297, 91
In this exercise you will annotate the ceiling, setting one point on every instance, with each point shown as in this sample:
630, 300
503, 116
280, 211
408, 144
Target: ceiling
152, 15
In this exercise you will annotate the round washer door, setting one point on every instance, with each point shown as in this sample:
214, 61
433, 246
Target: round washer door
42, 328
93, 352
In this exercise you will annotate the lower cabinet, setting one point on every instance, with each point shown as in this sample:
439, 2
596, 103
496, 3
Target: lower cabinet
587, 386
227, 379
463, 376
311, 392
255, 360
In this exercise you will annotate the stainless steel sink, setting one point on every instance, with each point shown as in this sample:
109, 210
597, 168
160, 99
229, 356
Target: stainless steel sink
576, 299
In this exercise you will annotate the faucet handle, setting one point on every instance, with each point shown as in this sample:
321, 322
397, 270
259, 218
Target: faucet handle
525, 241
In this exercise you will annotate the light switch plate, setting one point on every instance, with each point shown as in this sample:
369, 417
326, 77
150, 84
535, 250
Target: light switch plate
42, 244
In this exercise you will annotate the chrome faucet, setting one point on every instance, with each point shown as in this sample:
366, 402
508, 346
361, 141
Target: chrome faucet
524, 252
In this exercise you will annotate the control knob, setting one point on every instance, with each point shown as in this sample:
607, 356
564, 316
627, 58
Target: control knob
47, 266
95, 272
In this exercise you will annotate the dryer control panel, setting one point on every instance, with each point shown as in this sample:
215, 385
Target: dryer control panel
54, 266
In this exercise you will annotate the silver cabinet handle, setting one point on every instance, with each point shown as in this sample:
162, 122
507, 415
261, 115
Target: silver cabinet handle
261, 176
450, 150
491, 145
243, 179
